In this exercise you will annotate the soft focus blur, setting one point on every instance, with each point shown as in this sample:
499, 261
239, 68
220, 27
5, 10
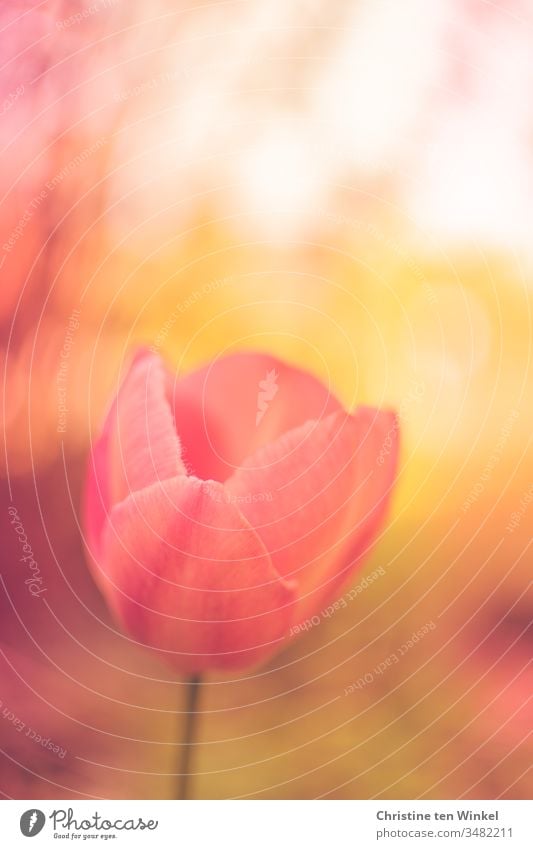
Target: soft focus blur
348, 185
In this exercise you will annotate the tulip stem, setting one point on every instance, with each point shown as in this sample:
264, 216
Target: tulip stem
186, 748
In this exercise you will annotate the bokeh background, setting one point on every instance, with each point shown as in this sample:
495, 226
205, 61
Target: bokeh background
348, 185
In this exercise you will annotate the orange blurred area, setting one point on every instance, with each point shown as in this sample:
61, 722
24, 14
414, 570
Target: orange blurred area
346, 186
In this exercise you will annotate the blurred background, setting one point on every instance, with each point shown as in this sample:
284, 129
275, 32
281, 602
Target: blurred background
347, 185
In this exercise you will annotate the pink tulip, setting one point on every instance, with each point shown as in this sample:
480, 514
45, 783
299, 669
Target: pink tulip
224, 509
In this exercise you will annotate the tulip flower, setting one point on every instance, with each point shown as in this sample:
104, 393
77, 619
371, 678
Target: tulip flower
225, 508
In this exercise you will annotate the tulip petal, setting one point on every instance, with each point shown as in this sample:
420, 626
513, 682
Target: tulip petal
145, 447
97, 499
138, 444
238, 403
329, 484
186, 574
